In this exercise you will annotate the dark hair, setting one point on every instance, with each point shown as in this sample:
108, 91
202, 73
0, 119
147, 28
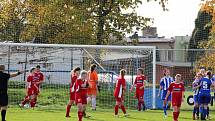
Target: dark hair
164, 71
38, 66
31, 70
140, 69
76, 69
209, 74
2, 67
122, 72
93, 67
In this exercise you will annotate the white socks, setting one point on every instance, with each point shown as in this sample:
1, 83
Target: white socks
94, 102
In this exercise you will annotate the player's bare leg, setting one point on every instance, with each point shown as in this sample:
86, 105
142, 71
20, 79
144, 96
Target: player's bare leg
71, 102
84, 111
169, 105
80, 111
89, 99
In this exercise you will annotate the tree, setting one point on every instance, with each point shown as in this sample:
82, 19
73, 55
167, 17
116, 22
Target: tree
202, 29
207, 58
71, 21
12, 20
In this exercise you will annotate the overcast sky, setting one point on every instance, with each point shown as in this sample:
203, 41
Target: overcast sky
178, 21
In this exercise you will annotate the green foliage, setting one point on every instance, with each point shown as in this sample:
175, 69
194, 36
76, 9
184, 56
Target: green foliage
200, 34
70, 21
201, 30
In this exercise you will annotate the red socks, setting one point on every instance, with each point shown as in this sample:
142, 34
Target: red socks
139, 105
80, 115
123, 109
68, 109
116, 109
33, 102
26, 99
176, 115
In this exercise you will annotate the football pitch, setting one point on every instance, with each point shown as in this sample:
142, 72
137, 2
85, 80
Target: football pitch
39, 114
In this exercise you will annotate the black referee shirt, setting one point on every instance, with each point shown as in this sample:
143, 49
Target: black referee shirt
4, 77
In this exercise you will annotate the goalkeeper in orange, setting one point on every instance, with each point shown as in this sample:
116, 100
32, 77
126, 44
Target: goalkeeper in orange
93, 86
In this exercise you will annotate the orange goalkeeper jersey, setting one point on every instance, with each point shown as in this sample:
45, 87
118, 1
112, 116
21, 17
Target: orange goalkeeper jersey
93, 78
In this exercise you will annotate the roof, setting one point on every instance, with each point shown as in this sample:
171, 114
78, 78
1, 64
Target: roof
175, 64
153, 40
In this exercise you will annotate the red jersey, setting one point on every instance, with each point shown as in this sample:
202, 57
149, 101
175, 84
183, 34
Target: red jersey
30, 79
38, 76
176, 90
79, 88
72, 84
119, 89
139, 81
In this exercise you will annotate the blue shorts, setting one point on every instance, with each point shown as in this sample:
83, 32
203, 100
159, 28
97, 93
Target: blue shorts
204, 98
163, 95
196, 98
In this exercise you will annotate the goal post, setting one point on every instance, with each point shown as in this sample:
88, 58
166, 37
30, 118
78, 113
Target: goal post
57, 60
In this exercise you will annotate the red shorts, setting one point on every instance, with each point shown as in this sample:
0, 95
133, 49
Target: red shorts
81, 98
140, 94
176, 102
72, 95
30, 91
119, 99
36, 91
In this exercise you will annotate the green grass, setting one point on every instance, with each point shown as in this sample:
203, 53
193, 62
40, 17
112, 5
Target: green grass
40, 114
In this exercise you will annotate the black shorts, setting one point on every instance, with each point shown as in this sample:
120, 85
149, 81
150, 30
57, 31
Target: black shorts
3, 99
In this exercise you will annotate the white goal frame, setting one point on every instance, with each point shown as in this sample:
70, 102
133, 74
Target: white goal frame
153, 48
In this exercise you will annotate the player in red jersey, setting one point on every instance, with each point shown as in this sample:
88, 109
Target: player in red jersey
139, 84
38, 79
29, 88
177, 90
81, 86
119, 93
74, 76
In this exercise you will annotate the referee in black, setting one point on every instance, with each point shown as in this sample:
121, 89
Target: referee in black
4, 77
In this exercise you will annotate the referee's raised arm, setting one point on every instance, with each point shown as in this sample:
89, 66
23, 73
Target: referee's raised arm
2, 69
16, 74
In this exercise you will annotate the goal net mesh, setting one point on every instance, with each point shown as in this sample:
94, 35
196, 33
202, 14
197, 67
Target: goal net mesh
57, 62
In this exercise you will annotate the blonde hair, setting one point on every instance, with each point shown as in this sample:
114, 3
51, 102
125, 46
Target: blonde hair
83, 72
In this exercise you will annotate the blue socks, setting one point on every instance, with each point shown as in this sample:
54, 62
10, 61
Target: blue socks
164, 109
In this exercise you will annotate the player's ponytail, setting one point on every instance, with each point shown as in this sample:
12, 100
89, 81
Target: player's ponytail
209, 74
93, 67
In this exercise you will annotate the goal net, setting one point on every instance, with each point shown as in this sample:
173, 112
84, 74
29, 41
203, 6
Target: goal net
57, 61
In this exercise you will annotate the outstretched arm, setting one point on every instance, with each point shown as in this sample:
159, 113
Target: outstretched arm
16, 74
